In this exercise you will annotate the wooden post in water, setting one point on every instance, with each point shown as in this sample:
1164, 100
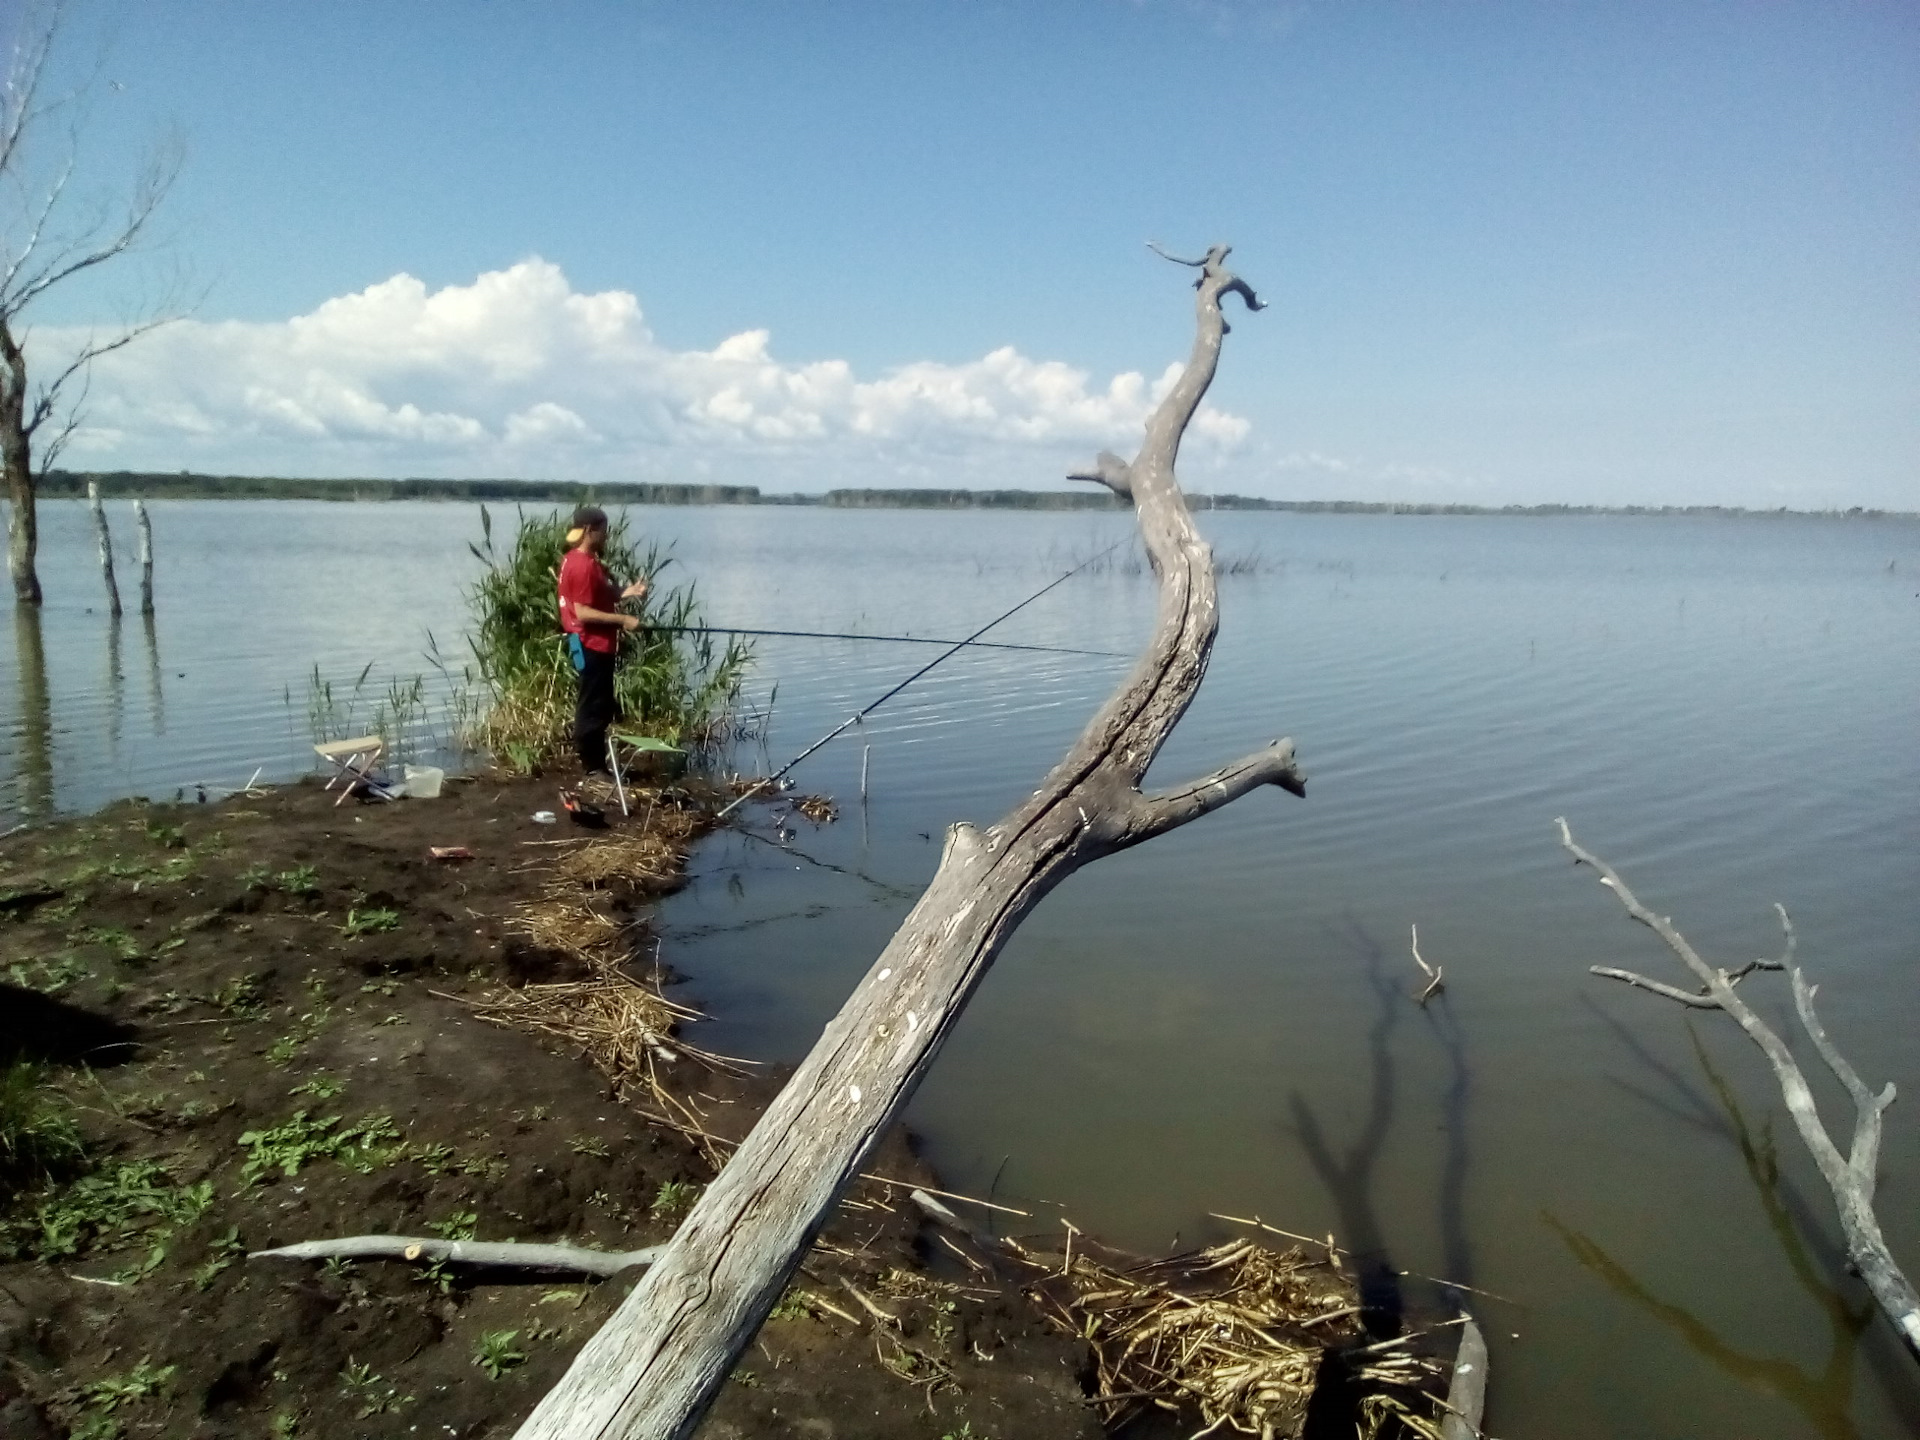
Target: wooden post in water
654, 1368
106, 545
146, 556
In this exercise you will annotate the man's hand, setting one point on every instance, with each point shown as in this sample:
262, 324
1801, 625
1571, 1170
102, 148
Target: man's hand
630, 623
636, 591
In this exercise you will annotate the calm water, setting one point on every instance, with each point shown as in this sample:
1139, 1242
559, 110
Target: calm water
1220, 1021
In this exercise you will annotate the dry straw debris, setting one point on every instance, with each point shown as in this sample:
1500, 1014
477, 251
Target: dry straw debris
1238, 1331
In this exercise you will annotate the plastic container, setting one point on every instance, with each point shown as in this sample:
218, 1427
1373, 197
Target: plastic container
423, 781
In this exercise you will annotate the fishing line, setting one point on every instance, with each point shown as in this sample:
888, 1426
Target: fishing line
895, 639
955, 649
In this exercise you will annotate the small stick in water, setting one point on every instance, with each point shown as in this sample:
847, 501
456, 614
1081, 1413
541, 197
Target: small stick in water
1434, 982
866, 755
146, 556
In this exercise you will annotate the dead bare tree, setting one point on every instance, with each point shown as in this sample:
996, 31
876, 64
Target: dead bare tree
655, 1367
48, 237
1851, 1177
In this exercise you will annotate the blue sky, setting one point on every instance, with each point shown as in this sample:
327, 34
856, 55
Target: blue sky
1658, 253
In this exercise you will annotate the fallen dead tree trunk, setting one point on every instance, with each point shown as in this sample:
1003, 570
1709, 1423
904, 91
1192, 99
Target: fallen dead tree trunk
654, 1368
1851, 1177
478, 1254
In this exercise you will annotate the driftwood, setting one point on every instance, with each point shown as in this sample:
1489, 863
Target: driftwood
1467, 1393
1851, 1177
478, 1254
106, 545
656, 1365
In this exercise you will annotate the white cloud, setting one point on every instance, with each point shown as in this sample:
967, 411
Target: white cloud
517, 374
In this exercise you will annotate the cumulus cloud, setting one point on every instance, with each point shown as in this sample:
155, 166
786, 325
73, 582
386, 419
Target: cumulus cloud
518, 374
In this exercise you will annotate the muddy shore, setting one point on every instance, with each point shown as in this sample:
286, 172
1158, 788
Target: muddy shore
261, 1015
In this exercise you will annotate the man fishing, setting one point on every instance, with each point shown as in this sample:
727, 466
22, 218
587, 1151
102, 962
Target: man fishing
589, 615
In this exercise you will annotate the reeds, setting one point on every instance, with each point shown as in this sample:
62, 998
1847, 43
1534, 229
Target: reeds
681, 687
1238, 1331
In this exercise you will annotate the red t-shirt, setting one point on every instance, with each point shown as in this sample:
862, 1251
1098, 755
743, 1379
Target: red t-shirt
584, 580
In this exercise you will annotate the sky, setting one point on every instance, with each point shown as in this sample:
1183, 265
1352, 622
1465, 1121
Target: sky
1593, 253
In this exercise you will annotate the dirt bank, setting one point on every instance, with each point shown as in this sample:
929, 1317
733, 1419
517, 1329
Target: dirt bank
260, 1014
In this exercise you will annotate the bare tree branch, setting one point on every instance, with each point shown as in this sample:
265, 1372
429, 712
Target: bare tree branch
1685, 997
1146, 816
43, 244
1108, 470
480, 1254
1851, 1178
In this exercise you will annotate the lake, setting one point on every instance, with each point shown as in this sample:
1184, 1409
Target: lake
1728, 710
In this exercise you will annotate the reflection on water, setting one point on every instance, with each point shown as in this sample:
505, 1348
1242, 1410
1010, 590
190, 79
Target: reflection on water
1823, 1397
156, 690
1349, 1177
34, 728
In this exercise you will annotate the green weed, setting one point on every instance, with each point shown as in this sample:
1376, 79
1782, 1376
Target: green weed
102, 1399
310, 1024
590, 1145
108, 1208
167, 837
224, 1252
372, 920
369, 1391
458, 1226
301, 880
51, 976
321, 1087
792, 1306
496, 1354
287, 1147
673, 1199
116, 938
241, 997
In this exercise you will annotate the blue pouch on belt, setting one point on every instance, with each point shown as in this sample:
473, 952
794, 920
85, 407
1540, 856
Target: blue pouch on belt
577, 653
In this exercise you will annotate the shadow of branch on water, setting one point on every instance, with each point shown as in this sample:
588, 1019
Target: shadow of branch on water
1824, 1398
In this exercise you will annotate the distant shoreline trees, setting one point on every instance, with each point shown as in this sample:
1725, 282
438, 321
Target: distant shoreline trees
183, 485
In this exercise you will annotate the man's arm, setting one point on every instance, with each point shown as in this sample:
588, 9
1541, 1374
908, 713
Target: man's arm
591, 616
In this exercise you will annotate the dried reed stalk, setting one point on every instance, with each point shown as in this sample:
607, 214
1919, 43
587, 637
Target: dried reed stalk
1237, 1331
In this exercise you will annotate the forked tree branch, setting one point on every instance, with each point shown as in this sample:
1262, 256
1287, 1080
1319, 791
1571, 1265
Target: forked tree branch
1850, 1177
653, 1370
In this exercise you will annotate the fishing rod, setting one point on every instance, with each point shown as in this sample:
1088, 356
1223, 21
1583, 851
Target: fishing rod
895, 639
956, 648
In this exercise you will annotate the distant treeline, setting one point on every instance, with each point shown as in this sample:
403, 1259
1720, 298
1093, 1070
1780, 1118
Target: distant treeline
185, 486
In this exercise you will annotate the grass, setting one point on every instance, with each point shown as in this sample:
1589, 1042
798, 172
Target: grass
680, 687
38, 1139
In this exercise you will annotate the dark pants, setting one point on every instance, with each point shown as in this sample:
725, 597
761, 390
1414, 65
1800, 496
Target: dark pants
596, 711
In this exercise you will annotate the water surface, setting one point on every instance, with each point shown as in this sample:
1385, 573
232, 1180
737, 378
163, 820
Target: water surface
1221, 1021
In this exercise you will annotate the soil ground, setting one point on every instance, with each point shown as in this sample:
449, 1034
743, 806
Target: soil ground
259, 1014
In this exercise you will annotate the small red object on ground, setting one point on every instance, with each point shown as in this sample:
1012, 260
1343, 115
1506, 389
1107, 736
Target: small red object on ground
450, 852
